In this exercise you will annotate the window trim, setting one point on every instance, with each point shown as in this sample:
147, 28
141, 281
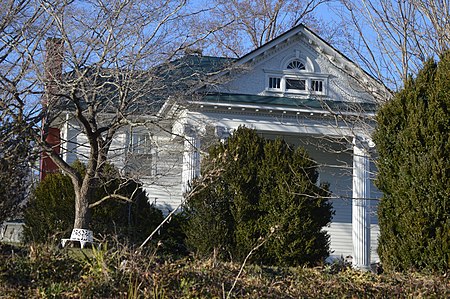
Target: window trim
295, 80
296, 75
147, 151
298, 62
268, 84
143, 146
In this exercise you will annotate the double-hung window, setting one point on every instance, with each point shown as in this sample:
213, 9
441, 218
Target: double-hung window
142, 157
140, 143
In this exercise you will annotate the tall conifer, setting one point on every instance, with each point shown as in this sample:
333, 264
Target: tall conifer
413, 142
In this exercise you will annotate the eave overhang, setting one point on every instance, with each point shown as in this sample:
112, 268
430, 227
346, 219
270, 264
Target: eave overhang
275, 105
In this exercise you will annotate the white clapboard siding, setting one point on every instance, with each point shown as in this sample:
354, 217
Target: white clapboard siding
76, 145
166, 198
341, 240
118, 149
164, 187
374, 234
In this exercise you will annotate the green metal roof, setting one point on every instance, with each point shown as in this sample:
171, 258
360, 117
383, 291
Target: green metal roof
188, 71
315, 103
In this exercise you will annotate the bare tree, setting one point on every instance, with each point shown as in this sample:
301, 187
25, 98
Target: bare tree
18, 19
392, 39
436, 15
105, 66
15, 168
254, 23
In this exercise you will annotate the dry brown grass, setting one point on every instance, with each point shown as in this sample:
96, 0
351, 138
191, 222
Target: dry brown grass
118, 272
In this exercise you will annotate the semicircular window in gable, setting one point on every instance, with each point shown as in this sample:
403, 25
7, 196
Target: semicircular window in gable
296, 65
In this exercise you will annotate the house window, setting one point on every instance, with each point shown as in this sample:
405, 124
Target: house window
295, 84
296, 65
140, 143
297, 78
274, 83
317, 85
143, 156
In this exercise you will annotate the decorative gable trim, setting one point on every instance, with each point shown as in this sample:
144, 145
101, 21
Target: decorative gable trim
301, 33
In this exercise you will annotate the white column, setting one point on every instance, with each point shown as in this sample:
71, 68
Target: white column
361, 206
223, 133
191, 159
65, 138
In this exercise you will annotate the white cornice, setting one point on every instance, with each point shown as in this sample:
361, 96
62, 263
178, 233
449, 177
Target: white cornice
271, 110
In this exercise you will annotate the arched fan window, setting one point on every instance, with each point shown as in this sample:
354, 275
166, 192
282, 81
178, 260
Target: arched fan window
296, 65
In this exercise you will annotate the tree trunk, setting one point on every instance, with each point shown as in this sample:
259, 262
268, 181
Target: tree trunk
82, 210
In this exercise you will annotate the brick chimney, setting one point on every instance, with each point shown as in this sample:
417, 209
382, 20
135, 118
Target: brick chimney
53, 67
53, 74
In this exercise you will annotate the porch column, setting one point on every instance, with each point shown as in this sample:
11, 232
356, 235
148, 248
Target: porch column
65, 138
223, 133
361, 205
191, 158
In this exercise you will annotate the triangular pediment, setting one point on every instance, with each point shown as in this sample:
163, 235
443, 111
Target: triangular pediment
298, 67
304, 35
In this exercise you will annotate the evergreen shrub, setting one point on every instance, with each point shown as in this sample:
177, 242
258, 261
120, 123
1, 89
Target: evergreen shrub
413, 143
50, 212
259, 191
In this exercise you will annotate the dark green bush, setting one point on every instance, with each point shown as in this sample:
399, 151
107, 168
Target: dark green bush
51, 210
265, 191
413, 142
172, 238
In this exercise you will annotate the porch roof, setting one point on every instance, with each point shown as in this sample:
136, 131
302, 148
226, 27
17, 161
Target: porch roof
316, 103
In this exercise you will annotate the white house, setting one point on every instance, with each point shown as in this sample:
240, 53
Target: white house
296, 87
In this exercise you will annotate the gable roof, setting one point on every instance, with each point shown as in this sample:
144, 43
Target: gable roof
188, 73
156, 84
322, 103
336, 57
